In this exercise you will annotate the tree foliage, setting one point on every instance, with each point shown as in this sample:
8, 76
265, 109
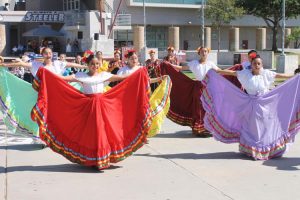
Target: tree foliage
295, 37
271, 12
221, 13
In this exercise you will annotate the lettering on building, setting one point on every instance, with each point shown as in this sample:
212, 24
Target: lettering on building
44, 16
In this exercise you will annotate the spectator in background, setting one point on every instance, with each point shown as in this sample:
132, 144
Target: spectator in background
78, 60
62, 57
68, 47
20, 49
35, 46
14, 51
44, 43
29, 47
56, 45
76, 47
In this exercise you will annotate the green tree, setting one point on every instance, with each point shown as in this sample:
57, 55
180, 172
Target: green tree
221, 13
271, 12
295, 37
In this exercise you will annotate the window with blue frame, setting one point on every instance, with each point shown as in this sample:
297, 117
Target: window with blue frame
191, 2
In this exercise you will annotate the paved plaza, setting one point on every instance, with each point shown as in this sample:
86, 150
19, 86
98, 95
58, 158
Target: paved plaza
174, 165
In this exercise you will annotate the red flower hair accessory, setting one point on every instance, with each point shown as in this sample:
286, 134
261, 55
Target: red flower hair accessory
131, 51
86, 54
253, 55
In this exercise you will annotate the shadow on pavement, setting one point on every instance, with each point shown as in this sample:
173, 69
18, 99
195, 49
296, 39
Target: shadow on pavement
218, 155
287, 164
179, 134
23, 147
71, 168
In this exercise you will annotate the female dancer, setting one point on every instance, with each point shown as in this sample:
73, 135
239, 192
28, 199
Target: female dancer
263, 122
17, 96
93, 81
102, 128
152, 66
199, 67
103, 63
159, 101
57, 67
115, 65
186, 108
171, 56
251, 55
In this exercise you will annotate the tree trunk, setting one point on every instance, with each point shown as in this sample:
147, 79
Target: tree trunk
219, 38
275, 32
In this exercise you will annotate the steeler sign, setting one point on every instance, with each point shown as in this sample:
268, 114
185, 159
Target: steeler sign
44, 16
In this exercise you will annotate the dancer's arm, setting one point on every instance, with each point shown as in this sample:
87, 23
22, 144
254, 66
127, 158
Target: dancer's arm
70, 78
226, 72
284, 76
178, 67
118, 77
158, 79
14, 64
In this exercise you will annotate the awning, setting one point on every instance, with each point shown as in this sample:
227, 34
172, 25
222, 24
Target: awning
42, 31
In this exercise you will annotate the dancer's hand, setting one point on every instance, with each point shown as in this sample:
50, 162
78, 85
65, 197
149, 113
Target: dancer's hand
1, 59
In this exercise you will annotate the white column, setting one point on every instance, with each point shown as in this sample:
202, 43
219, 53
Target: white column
234, 39
138, 38
174, 37
2, 40
261, 39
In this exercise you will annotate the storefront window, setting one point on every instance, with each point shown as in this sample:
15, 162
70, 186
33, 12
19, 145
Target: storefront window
157, 37
71, 4
123, 38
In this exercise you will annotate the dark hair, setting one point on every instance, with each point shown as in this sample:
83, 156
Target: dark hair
252, 51
44, 49
99, 52
90, 58
297, 71
256, 57
130, 53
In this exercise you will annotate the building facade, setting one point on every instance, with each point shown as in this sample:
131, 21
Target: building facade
185, 14
85, 23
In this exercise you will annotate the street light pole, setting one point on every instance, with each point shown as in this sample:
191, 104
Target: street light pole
202, 23
144, 23
145, 32
283, 26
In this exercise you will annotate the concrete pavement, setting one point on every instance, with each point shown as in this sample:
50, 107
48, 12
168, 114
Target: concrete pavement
174, 165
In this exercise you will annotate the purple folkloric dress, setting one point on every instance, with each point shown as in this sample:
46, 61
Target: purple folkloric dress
263, 122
